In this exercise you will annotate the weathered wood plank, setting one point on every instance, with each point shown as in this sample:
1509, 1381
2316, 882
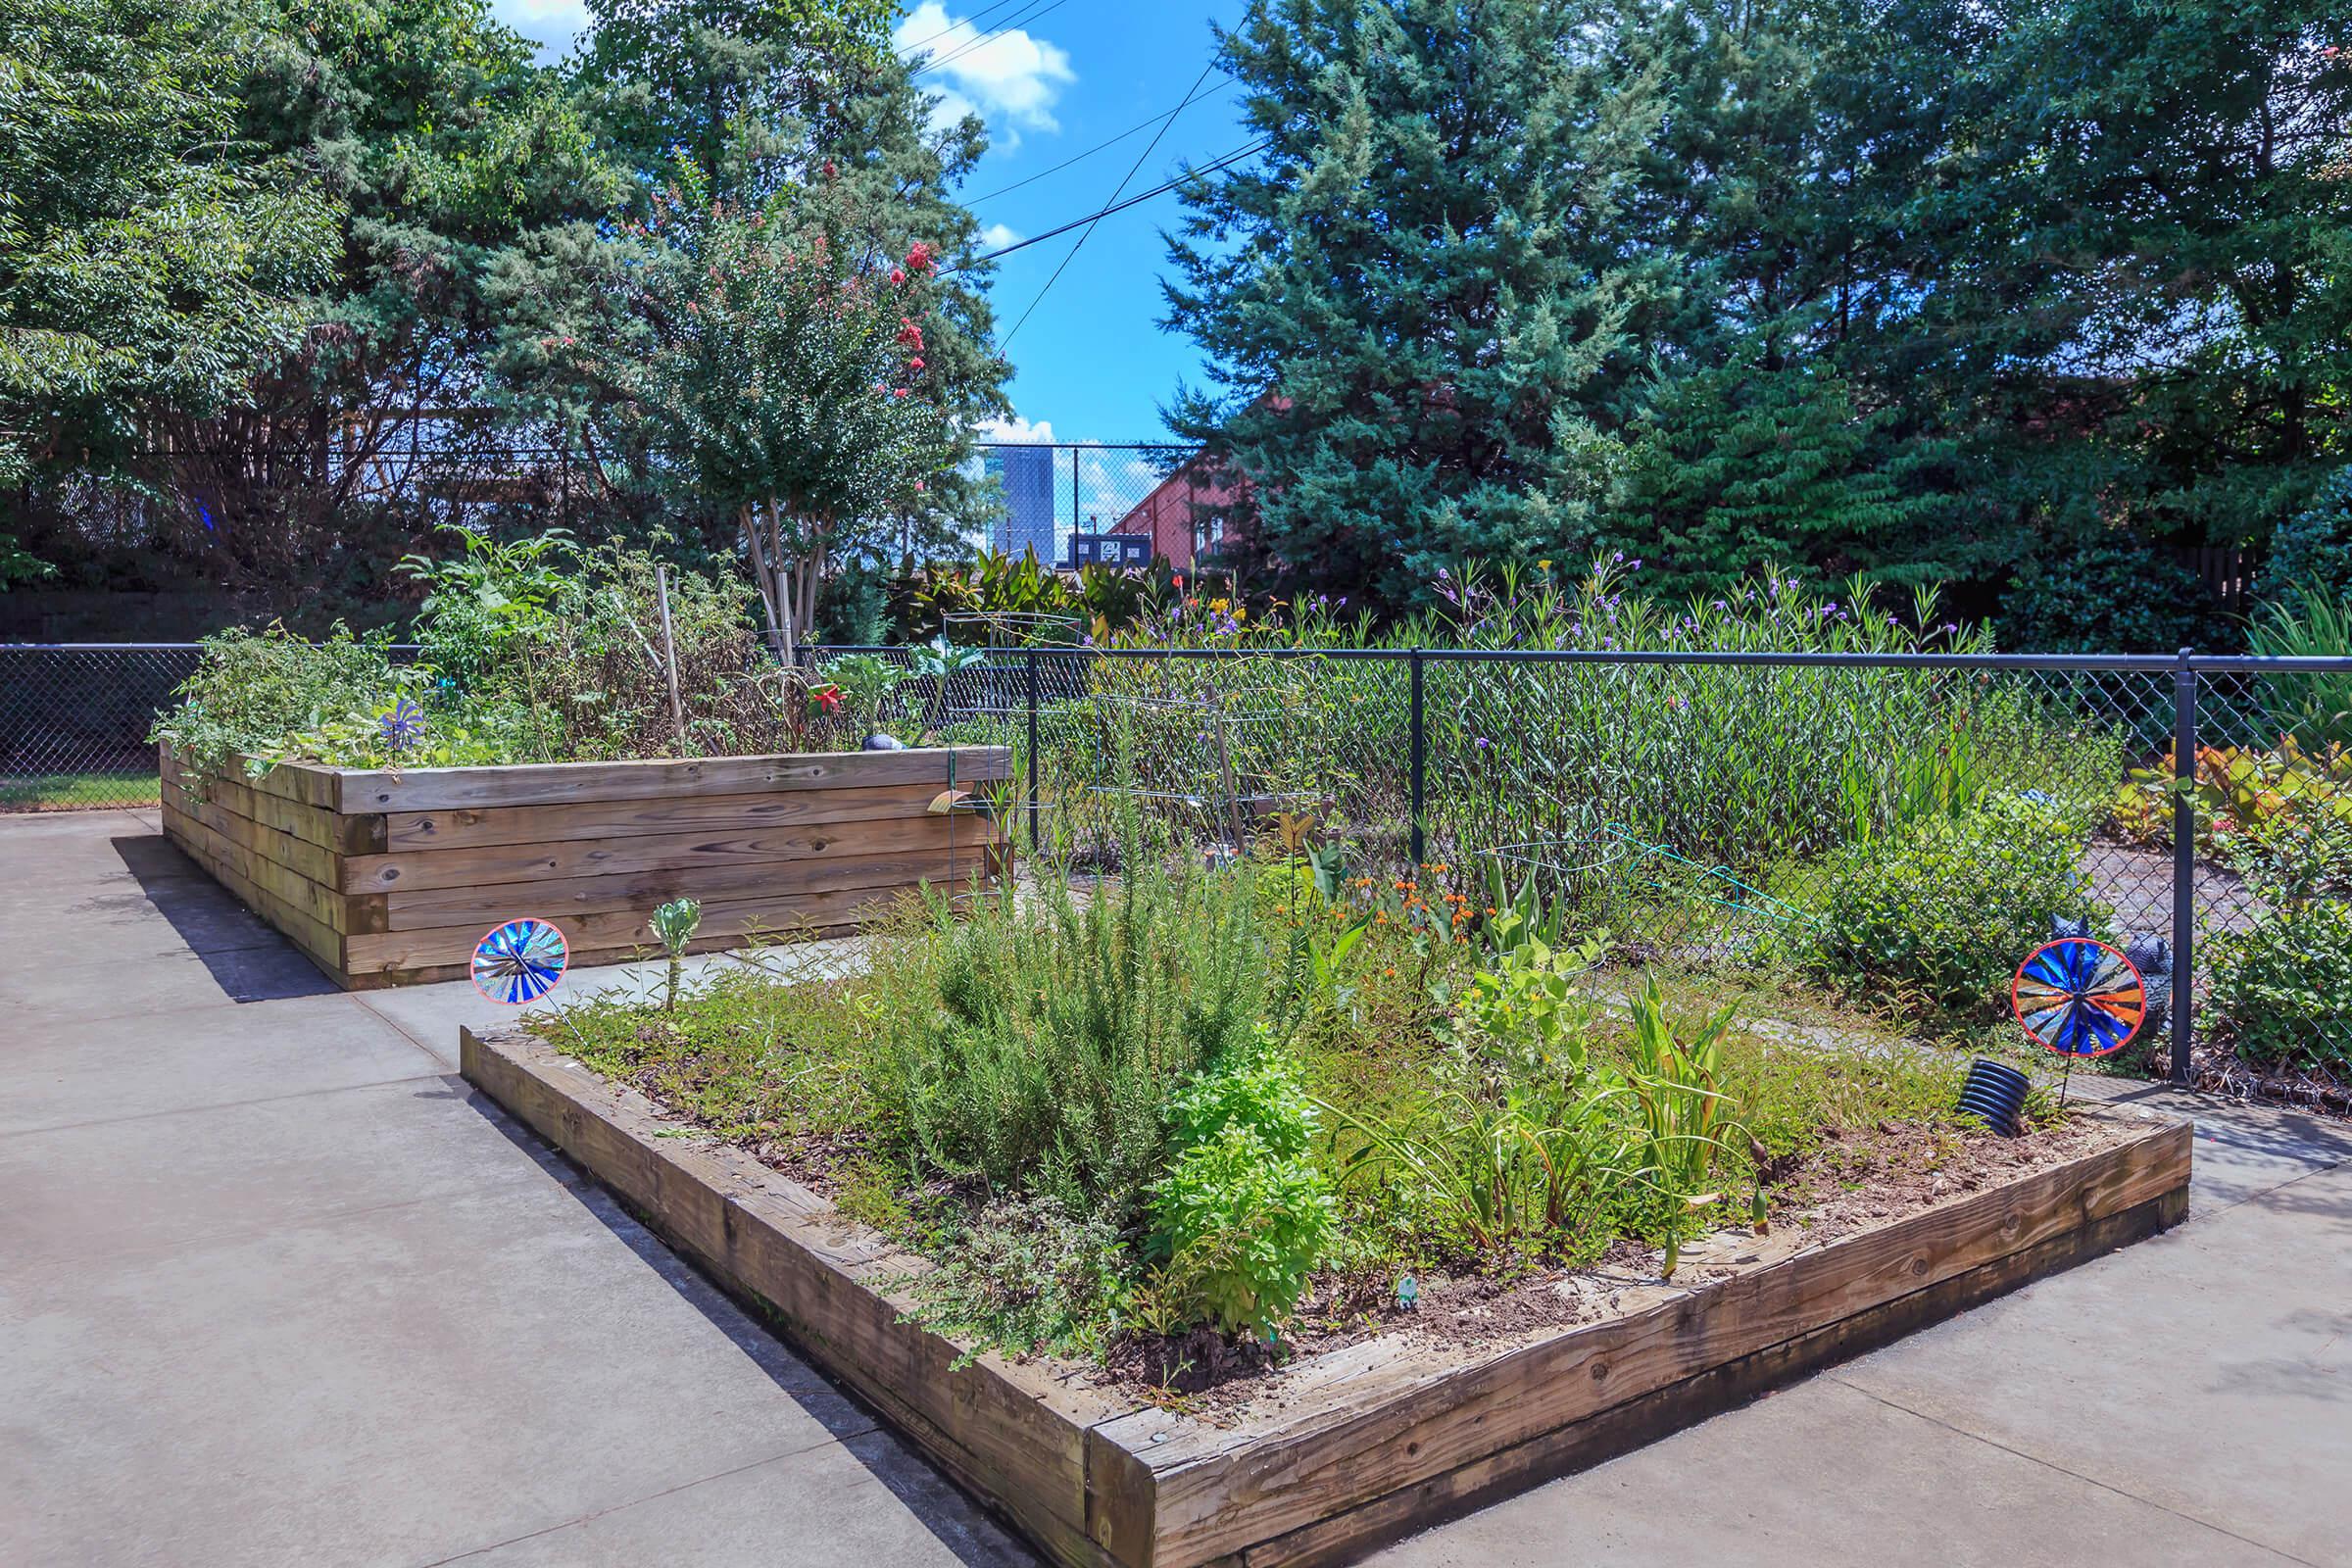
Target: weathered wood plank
568, 897
221, 861
426, 789
1342, 1443
226, 844
686, 854
1013, 1434
304, 783
330, 831
472, 827
625, 932
298, 855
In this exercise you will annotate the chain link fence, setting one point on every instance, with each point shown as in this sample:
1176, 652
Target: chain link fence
1895, 823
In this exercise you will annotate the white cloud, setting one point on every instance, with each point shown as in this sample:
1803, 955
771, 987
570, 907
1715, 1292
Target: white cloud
1009, 78
1017, 428
996, 237
548, 22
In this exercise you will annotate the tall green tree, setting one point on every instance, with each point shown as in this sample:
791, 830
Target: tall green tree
453, 155
146, 261
1416, 303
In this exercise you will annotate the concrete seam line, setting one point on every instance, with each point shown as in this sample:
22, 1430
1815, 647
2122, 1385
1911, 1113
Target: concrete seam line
361, 1002
2088, 1481
829, 1440
444, 1076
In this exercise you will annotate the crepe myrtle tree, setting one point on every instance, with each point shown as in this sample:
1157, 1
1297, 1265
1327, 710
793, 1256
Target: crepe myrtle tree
779, 363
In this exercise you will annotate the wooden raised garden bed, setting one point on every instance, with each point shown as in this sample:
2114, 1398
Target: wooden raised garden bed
1357, 1446
390, 879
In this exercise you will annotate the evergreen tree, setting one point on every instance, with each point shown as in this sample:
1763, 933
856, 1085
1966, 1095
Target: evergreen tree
1415, 303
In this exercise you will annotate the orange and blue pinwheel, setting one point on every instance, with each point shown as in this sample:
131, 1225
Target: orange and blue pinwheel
2078, 996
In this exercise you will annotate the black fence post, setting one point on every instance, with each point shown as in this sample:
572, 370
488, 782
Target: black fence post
1029, 672
1420, 763
2185, 855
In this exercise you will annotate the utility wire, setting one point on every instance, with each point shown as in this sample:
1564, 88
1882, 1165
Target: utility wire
1219, 86
972, 21
1017, 19
1137, 200
1088, 232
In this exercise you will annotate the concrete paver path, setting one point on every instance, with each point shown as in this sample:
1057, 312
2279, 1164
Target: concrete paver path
276, 1288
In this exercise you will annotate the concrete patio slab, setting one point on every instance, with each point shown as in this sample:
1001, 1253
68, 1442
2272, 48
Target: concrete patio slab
1824, 1476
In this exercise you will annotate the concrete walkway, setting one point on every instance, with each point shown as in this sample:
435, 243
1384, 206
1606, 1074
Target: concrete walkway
276, 1288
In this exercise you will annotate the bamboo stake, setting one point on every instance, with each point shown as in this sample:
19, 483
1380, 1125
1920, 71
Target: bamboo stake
669, 655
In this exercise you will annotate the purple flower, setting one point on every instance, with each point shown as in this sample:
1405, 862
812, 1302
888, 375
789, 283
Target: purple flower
1619, 556
1634, 564
1484, 743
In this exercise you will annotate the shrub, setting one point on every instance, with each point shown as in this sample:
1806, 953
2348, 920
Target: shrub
1026, 1274
1948, 911
1245, 1213
2115, 595
1043, 1058
2311, 553
2284, 985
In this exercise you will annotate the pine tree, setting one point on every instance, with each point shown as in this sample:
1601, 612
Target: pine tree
1414, 302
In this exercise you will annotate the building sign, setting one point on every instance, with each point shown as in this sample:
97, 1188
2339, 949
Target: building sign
1123, 549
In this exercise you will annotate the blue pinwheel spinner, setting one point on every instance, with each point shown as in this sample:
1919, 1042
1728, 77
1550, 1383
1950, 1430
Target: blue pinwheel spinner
520, 961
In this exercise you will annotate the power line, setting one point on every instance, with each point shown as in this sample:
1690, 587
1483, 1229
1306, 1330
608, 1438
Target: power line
972, 21
1100, 146
1089, 232
1137, 200
1019, 19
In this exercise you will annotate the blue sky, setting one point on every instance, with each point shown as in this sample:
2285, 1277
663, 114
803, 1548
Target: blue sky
1052, 78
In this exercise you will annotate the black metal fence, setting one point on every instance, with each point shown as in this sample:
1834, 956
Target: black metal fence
1897, 819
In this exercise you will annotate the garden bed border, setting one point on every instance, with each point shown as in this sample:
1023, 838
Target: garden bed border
1368, 1443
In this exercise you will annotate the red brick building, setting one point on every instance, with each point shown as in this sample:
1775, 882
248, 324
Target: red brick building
1179, 515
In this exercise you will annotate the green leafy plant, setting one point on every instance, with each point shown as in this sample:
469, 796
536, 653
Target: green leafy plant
1026, 1275
1685, 1116
675, 925
484, 606
1041, 1052
2283, 985
1245, 1213
257, 694
1518, 1135
1946, 911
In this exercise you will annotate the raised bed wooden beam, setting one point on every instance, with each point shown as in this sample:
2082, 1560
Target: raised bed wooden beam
390, 879
1357, 1446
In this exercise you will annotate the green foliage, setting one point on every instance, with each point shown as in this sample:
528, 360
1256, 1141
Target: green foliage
2310, 565
1027, 1274
488, 604
145, 264
1518, 1140
1055, 1028
2283, 985
674, 924
1415, 303
1724, 286
256, 693
1246, 1214
2314, 710
2114, 595
1687, 1131
1943, 914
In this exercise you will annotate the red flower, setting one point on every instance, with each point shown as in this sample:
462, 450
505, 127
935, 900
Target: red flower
828, 169
918, 260
897, 391
827, 698
919, 487
897, 274
914, 364
910, 334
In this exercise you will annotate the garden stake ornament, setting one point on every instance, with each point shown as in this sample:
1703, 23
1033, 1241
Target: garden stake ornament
2078, 996
520, 961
